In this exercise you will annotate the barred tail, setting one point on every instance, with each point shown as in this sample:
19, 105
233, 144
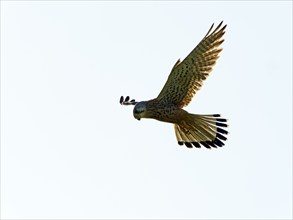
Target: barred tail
201, 130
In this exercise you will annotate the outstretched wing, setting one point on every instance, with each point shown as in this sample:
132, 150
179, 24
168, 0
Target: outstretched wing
186, 77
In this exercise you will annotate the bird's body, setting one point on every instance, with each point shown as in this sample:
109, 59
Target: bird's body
165, 112
185, 79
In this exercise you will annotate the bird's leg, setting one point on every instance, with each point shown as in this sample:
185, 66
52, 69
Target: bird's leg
126, 101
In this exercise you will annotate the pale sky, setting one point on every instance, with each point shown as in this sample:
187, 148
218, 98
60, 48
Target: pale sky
70, 150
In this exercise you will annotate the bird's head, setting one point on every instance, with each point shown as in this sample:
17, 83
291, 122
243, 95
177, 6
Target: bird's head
139, 110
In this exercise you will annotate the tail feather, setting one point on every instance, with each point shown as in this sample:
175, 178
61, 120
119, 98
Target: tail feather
201, 130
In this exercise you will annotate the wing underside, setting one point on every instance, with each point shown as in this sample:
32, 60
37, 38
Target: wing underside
186, 77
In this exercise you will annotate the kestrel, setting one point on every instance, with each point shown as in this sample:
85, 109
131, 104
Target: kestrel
185, 79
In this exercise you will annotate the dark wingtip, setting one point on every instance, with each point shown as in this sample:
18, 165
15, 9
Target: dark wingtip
221, 124
222, 131
196, 144
221, 119
211, 144
218, 142
203, 143
187, 144
223, 138
207, 144
126, 101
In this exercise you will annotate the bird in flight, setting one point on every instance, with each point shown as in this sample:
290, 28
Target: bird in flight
185, 79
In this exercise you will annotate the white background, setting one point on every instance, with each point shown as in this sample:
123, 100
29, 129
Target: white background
69, 150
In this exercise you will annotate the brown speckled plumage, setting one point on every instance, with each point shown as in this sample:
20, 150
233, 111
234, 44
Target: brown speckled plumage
185, 79
187, 76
